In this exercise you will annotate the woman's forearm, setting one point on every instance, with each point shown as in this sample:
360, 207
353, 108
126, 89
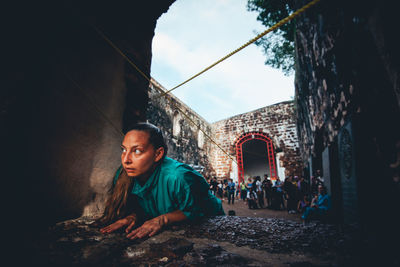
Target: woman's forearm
173, 217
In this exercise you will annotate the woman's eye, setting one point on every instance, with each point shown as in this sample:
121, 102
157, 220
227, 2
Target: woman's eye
123, 150
137, 151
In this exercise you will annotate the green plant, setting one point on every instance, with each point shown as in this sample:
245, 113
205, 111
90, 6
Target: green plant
279, 45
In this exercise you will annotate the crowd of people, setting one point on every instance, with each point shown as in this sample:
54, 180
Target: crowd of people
294, 194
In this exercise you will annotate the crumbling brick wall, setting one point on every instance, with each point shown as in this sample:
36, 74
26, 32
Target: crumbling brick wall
188, 144
277, 121
185, 141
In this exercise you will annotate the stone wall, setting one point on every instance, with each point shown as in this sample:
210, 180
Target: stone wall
277, 121
346, 66
186, 142
66, 97
347, 95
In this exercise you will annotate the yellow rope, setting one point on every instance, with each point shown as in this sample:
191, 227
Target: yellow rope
276, 26
155, 85
120, 52
194, 123
93, 103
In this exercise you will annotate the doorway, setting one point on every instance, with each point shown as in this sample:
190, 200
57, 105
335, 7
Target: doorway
255, 156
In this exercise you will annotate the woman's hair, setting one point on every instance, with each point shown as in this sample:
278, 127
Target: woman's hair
156, 137
117, 202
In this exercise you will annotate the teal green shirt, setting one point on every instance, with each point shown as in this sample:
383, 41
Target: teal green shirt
176, 186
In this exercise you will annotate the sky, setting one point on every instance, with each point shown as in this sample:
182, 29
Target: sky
194, 34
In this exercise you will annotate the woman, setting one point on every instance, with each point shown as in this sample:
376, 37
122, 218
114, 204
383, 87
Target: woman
153, 188
319, 207
290, 193
220, 190
249, 184
243, 191
252, 198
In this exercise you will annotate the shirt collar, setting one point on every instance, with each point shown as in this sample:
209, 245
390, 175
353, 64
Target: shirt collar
142, 190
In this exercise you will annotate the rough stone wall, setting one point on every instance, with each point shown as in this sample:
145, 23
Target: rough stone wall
185, 141
323, 103
347, 95
277, 121
345, 56
66, 96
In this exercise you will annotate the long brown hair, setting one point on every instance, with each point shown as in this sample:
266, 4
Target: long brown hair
117, 203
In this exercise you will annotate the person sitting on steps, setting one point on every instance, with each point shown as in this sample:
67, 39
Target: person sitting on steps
318, 208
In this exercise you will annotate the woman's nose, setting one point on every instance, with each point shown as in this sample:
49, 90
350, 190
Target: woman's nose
126, 158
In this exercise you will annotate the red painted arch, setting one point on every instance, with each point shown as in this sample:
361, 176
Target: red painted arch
270, 152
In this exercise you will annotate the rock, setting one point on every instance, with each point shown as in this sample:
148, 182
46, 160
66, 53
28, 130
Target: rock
215, 241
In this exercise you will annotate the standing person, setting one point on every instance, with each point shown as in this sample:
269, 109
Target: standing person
243, 190
290, 191
267, 186
252, 198
213, 186
249, 184
279, 194
319, 176
220, 190
303, 187
237, 191
260, 192
209, 180
231, 191
225, 189
293, 180
154, 189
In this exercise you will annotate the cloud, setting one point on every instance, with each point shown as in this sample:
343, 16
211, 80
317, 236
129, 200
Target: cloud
181, 58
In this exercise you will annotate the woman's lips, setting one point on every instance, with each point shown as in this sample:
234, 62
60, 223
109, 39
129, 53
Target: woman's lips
129, 170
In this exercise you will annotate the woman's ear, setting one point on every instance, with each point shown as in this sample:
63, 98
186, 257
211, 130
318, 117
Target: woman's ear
159, 154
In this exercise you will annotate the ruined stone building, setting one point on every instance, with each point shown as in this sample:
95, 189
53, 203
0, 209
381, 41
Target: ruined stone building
263, 141
67, 97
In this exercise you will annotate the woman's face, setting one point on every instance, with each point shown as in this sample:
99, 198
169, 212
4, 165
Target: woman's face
139, 157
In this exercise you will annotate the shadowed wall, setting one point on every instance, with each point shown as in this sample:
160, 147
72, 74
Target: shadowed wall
66, 99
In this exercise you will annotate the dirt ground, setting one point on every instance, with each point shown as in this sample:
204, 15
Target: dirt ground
241, 209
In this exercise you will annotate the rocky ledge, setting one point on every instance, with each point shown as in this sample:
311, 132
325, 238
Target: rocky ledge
218, 241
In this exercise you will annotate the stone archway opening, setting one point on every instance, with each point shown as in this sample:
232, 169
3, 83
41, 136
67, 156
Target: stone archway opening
255, 156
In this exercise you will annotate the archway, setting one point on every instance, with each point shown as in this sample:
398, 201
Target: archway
270, 155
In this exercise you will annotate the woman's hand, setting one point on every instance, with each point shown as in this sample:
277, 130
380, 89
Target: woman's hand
149, 228
153, 226
127, 221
